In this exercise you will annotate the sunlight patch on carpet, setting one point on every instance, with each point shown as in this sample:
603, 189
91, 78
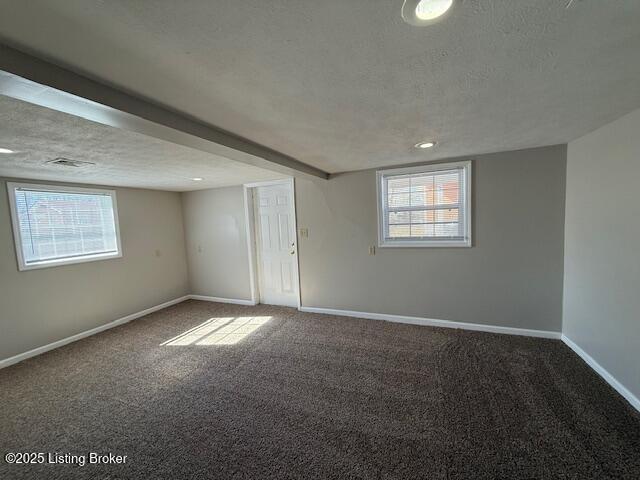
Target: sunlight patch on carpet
219, 331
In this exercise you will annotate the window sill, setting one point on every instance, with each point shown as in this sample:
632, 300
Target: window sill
427, 244
69, 261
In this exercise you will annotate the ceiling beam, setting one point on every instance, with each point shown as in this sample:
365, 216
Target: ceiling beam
40, 82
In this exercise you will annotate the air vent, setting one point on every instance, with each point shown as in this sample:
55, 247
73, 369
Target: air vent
65, 162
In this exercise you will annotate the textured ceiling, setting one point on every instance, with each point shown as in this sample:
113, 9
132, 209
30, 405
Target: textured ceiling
346, 85
121, 158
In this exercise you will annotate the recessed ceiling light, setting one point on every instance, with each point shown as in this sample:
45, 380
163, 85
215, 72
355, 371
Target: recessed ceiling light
425, 144
424, 12
5, 150
197, 179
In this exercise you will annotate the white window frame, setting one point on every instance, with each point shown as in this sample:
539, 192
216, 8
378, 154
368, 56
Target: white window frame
466, 221
22, 265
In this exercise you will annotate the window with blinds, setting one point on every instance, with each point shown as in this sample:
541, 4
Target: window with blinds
61, 225
425, 206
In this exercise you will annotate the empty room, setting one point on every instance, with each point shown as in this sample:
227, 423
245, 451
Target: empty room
339, 239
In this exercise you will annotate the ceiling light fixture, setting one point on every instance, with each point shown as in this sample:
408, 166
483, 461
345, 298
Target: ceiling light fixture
425, 144
197, 179
5, 150
424, 12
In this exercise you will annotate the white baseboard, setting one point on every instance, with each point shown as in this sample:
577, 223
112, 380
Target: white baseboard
600, 370
235, 301
430, 322
45, 348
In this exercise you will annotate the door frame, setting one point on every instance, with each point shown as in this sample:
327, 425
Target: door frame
249, 214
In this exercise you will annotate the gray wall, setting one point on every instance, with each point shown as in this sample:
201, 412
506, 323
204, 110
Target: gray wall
602, 263
512, 276
45, 305
216, 238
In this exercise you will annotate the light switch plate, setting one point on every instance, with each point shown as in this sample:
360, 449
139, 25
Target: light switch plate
304, 232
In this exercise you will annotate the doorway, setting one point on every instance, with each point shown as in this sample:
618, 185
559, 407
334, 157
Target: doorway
273, 246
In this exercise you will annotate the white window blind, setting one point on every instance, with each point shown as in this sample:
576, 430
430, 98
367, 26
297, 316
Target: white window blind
58, 225
425, 206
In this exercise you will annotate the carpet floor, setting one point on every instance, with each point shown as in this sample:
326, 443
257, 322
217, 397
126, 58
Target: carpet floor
206, 390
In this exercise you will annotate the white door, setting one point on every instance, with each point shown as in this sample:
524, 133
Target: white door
276, 244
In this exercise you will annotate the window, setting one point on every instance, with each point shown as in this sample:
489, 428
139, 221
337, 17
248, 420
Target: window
426, 206
55, 225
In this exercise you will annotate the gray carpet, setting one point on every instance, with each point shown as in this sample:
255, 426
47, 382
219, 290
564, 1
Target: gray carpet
311, 396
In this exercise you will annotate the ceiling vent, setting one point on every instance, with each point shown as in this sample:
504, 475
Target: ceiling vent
65, 162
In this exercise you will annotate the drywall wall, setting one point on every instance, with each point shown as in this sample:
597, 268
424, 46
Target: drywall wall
602, 234
38, 307
512, 276
216, 240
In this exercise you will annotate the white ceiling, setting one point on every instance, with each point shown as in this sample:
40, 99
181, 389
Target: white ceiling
346, 85
122, 158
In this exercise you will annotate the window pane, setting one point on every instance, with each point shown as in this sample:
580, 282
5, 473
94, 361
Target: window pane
448, 215
399, 217
425, 205
422, 230
422, 216
447, 188
399, 231
446, 230
57, 225
400, 200
399, 185
425, 223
